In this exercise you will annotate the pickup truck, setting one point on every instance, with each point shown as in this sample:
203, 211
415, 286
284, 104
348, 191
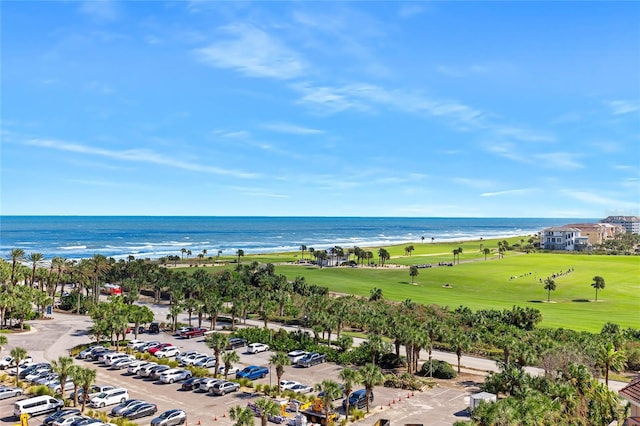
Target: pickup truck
194, 332
311, 359
252, 372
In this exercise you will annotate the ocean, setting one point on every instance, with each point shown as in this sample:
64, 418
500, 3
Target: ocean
77, 237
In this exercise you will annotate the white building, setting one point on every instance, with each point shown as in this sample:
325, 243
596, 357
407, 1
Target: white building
629, 223
562, 238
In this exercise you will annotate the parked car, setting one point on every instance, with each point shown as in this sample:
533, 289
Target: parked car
255, 348
31, 375
192, 359
135, 366
122, 363
48, 421
295, 356
148, 345
93, 391
252, 372
236, 342
139, 411
311, 359
83, 421
156, 371
110, 397
206, 384
66, 421
232, 370
358, 399
146, 370
46, 379
154, 328
207, 362
287, 384
224, 387
183, 355
183, 329
57, 387
30, 369
109, 361
86, 353
170, 418
96, 354
9, 362
135, 343
6, 392
167, 352
191, 384
159, 347
118, 409
174, 375
194, 332
300, 388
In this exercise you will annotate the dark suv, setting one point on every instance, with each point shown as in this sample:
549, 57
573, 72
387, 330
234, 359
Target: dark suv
358, 399
154, 328
236, 342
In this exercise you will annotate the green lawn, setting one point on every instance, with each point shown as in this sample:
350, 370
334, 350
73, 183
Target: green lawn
479, 284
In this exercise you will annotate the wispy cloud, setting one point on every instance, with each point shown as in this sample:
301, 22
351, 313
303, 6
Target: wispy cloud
592, 198
461, 72
291, 129
258, 192
623, 106
252, 52
473, 183
560, 160
138, 155
409, 10
522, 191
103, 10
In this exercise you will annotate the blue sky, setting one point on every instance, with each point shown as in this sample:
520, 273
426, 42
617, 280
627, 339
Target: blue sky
478, 109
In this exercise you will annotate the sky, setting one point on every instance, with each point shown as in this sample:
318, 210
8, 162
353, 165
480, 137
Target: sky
409, 109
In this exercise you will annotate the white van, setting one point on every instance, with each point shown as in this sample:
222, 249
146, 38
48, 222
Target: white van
110, 397
37, 405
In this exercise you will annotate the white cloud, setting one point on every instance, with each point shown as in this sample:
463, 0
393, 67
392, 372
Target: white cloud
291, 128
409, 10
561, 160
138, 155
592, 198
104, 10
253, 52
623, 106
522, 191
473, 183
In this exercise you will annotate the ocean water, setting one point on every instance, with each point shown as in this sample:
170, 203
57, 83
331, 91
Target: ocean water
76, 237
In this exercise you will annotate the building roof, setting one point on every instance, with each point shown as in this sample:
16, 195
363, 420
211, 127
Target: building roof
621, 219
631, 392
561, 228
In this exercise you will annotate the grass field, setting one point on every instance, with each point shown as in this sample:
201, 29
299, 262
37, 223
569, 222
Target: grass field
480, 284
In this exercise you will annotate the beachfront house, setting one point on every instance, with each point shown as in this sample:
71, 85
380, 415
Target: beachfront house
594, 234
631, 393
562, 238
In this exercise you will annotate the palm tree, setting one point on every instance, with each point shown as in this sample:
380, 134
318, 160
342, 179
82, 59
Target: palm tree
383, 254
349, 378
228, 359
302, 249
609, 358
549, 285
486, 252
183, 251
280, 360
61, 366
432, 240
413, 272
239, 254
332, 392
242, 416
268, 407
75, 373
598, 283
455, 253
17, 256
18, 354
87, 377
371, 377
35, 259
217, 342
460, 343
422, 238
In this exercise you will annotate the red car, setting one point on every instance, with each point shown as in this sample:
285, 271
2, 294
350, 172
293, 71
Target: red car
160, 346
194, 332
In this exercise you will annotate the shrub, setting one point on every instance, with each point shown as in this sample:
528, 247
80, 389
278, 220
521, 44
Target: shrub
391, 360
40, 390
438, 369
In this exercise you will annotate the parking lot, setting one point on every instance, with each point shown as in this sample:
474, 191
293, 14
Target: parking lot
435, 406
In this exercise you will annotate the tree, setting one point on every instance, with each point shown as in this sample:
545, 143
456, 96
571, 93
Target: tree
303, 248
183, 251
375, 294
608, 358
409, 250
18, 354
228, 359
17, 255
413, 272
139, 315
460, 343
455, 253
35, 259
218, 342
280, 360
332, 392
86, 377
61, 367
350, 378
549, 285
486, 252
598, 284
268, 407
422, 238
3, 342
239, 254
371, 377
242, 416
384, 255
